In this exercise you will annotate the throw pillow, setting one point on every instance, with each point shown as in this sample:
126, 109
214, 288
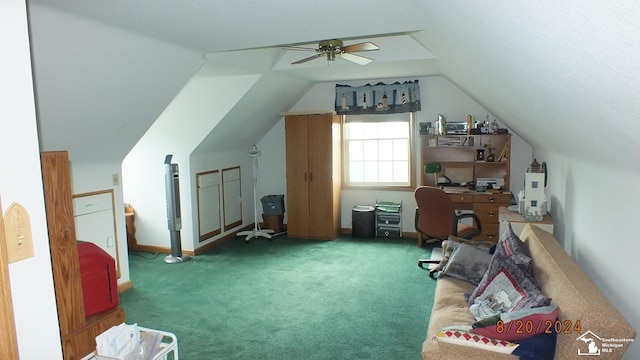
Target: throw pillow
509, 283
519, 324
451, 243
467, 263
459, 336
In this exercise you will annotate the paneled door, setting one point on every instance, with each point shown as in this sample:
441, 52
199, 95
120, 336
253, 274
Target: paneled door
209, 204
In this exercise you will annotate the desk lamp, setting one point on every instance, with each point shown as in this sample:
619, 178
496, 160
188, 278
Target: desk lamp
433, 168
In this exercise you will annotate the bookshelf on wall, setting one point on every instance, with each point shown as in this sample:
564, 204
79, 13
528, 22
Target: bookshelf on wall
460, 152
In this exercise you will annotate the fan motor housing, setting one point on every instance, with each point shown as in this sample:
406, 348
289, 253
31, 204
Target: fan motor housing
332, 48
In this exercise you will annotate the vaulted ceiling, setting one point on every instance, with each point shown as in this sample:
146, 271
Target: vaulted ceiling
560, 74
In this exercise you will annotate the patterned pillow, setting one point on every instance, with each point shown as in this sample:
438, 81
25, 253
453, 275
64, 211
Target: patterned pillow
519, 324
459, 336
467, 263
508, 284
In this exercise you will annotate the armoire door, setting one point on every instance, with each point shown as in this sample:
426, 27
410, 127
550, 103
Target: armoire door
320, 155
313, 175
297, 176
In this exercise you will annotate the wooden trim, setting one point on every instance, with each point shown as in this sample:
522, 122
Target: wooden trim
9, 338
125, 286
77, 332
56, 181
318, 112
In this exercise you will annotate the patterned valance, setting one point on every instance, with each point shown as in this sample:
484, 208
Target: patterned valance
378, 99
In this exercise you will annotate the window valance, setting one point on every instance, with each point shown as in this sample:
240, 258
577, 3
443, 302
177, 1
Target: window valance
378, 99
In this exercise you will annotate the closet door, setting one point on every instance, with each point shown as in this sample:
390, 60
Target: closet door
232, 200
209, 204
297, 155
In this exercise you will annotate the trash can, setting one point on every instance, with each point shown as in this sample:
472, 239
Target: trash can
273, 205
273, 222
363, 218
273, 212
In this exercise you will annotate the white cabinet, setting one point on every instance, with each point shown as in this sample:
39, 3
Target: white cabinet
95, 221
209, 204
518, 222
232, 200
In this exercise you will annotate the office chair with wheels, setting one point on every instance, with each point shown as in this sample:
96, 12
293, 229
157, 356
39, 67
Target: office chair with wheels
436, 218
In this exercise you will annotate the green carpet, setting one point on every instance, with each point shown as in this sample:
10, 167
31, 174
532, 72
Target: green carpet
287, 299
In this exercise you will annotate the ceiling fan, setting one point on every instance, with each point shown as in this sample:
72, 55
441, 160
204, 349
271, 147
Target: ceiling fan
334, 48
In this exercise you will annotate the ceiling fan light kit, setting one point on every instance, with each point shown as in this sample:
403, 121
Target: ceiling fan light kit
334, 48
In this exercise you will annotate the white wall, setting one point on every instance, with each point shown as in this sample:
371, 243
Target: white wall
439, 96
594, 209
195, 111
32, 290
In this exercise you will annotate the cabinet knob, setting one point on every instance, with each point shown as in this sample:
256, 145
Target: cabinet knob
491, 213
492, 199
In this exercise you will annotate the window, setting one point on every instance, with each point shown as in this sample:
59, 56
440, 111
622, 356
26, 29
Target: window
377, 150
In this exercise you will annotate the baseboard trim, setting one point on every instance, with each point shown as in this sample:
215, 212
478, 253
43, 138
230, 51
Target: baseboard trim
125, 286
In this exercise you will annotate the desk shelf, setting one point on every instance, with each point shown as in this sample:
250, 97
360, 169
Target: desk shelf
460, 151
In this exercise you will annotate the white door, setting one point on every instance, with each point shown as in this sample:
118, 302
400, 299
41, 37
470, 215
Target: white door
209, 204
231, 197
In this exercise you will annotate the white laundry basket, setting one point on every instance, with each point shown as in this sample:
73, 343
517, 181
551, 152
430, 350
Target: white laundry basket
168, 346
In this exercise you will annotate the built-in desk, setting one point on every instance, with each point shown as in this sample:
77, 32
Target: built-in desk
485, 204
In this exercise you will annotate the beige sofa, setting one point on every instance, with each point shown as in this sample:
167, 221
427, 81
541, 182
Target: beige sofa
560, 278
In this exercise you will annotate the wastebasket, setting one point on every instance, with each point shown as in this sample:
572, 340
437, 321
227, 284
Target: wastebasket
273, 205
363, 218
273, 222
273, 212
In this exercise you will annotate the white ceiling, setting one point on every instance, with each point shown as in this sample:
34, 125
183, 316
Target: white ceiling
224, 25
234, 31
552, 71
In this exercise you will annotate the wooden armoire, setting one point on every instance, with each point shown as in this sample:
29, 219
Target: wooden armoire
313, 155
78, 332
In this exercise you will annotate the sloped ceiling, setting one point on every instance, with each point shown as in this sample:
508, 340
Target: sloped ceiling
561, 74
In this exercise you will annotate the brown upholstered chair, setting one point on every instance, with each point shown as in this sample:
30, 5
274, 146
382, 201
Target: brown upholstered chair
436, 218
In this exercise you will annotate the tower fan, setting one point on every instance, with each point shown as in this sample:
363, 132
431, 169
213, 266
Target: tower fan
256, 232
174, 220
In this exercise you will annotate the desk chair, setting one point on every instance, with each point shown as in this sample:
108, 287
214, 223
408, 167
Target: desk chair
436, 218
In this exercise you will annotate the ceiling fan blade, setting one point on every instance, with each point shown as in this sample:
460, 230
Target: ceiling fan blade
361, 60
307, 59
365, 46
298, 48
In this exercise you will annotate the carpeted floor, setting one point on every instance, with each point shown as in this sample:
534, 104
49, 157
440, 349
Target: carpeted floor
288, 299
